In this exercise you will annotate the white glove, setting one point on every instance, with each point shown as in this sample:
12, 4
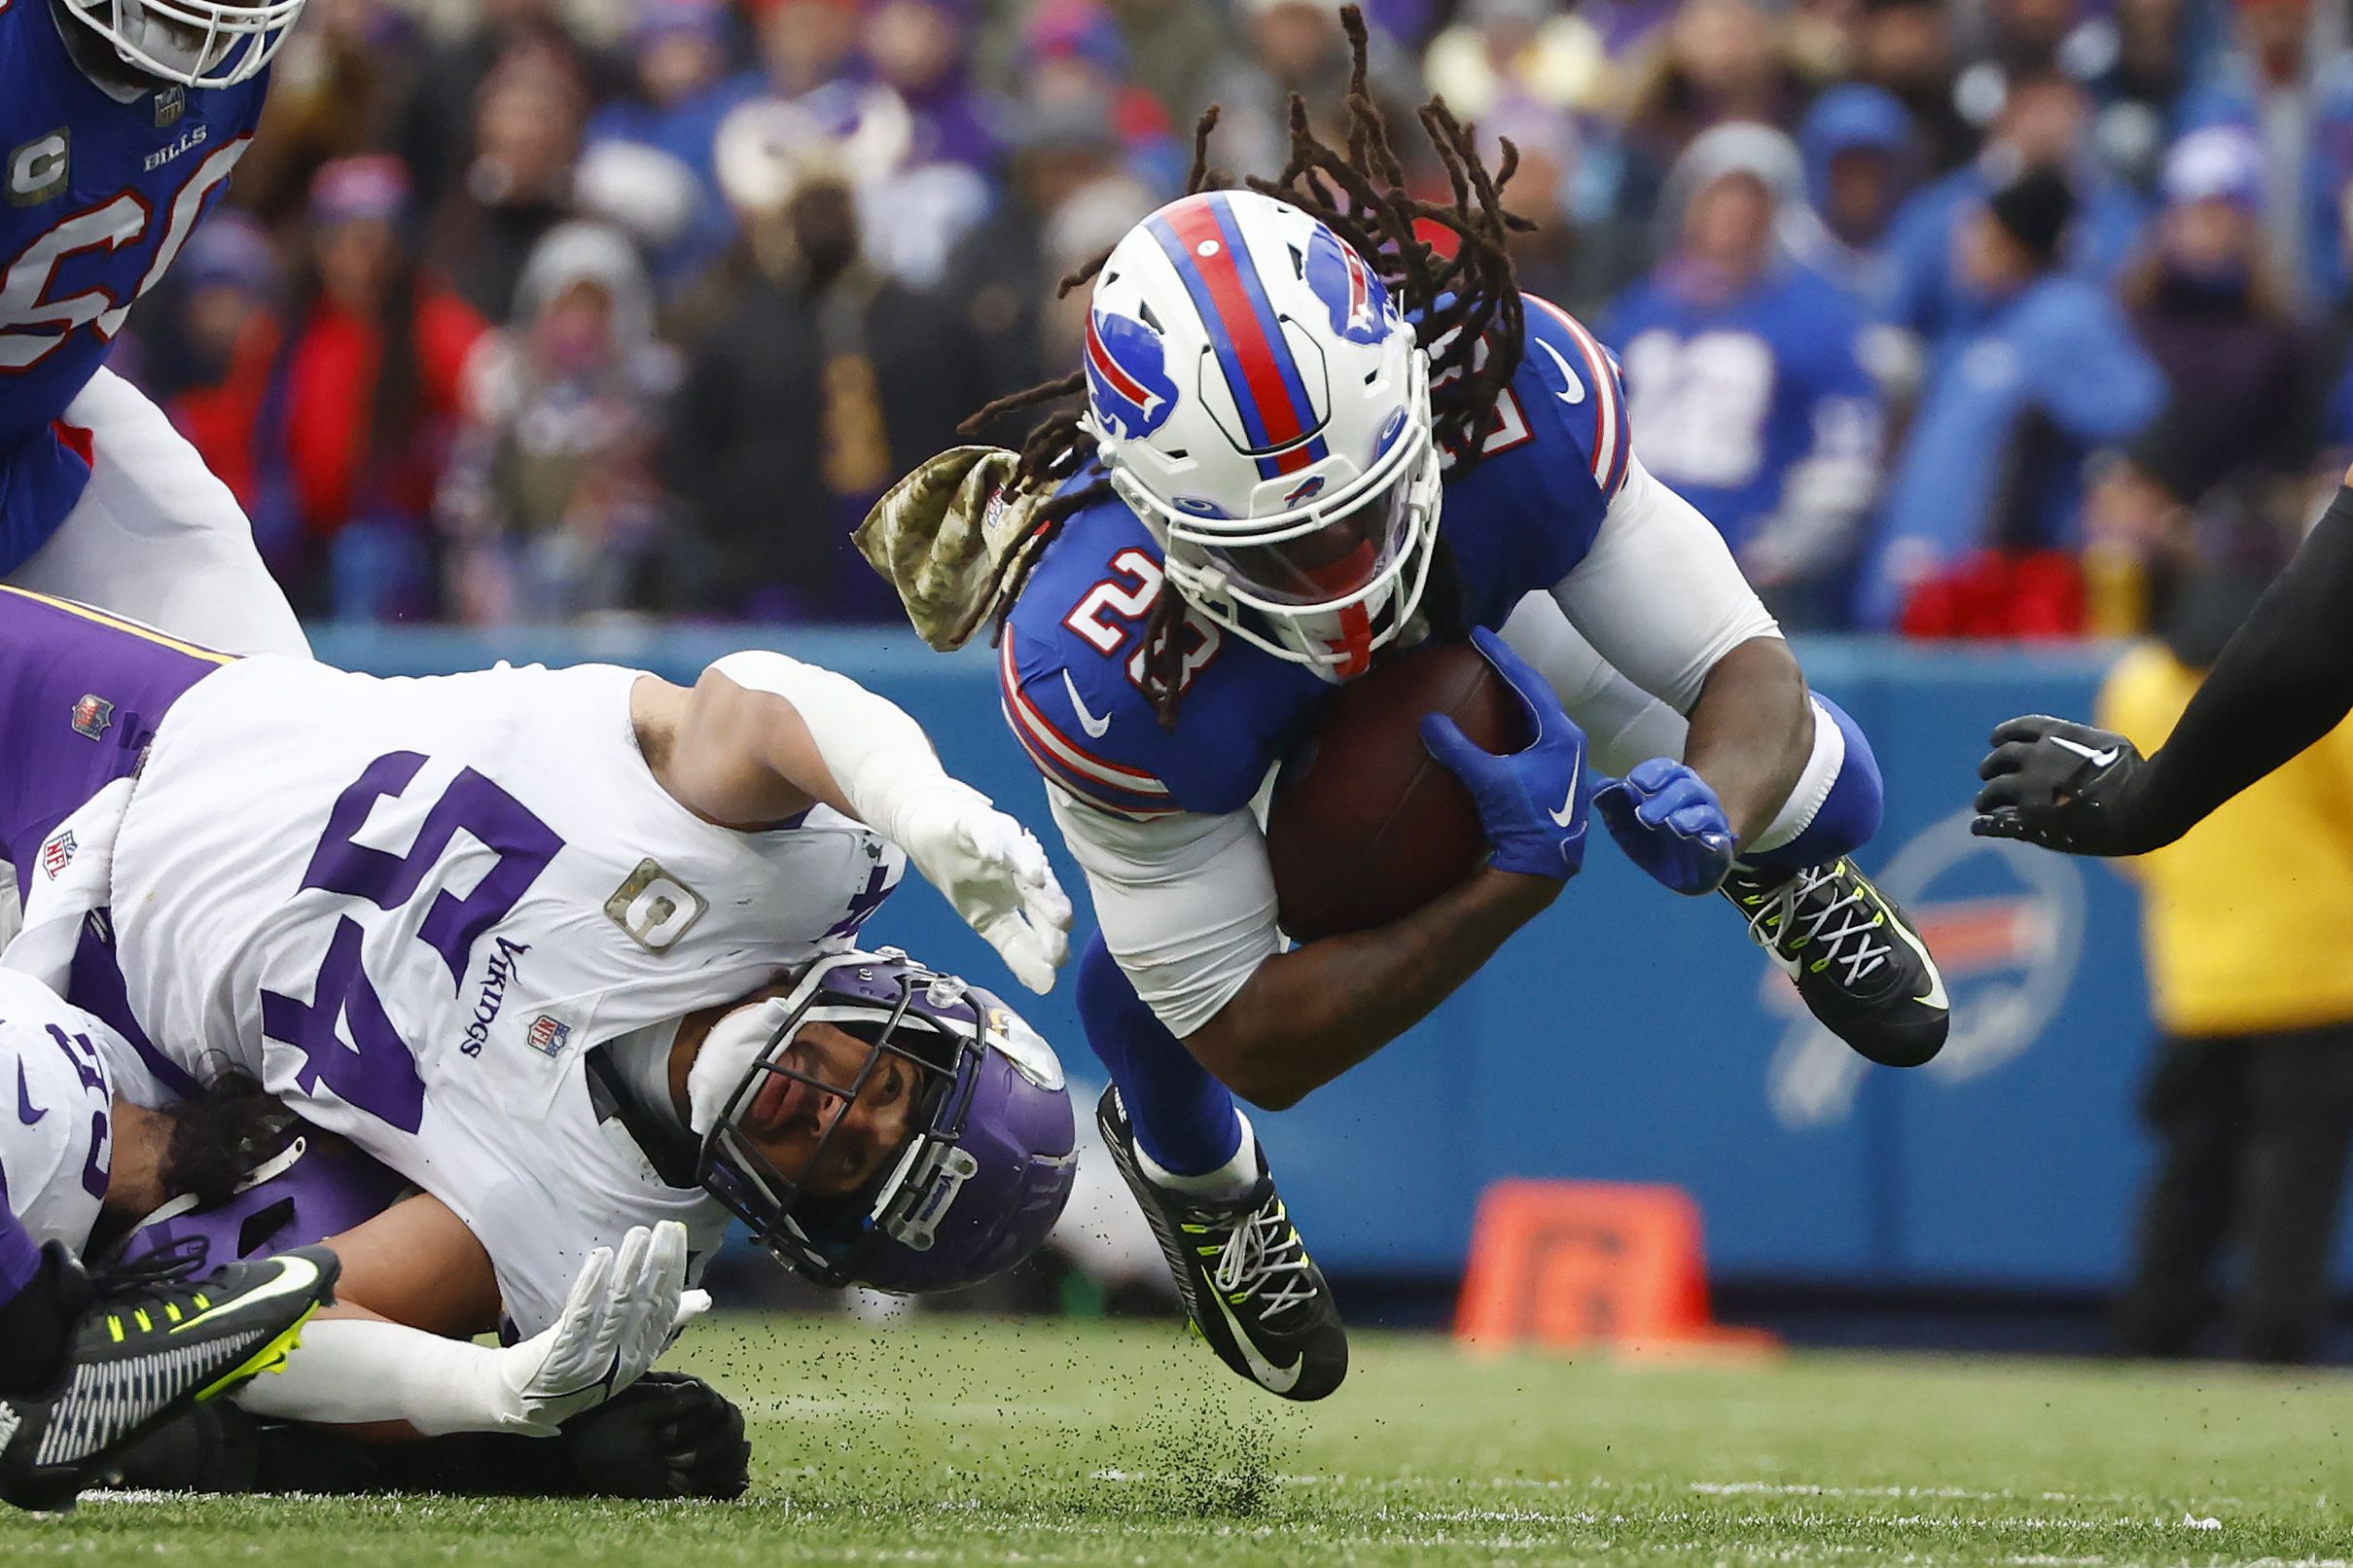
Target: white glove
618, 1318
994, 874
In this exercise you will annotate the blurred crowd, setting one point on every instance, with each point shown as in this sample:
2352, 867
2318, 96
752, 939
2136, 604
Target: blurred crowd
1979, 319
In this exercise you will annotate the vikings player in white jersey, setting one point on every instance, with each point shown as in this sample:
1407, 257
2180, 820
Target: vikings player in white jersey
458, 921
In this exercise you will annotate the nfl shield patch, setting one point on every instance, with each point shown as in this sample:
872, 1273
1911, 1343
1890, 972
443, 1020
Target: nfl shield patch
550, 1035
58, 854
170, 104
92, 715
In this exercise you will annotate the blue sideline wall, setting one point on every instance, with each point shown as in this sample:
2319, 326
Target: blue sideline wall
1633, 1035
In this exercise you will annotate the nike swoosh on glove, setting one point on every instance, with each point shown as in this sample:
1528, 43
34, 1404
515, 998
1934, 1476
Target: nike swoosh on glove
2062, 786
1670, 823
995, 876
1533, 802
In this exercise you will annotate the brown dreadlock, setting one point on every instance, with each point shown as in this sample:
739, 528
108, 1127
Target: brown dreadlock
1465, 307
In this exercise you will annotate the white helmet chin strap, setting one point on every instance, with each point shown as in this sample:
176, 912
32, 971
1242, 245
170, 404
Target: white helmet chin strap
1308, 638
1305, 636
727, 1052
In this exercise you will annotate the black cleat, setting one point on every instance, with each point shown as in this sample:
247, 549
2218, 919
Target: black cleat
1862, 970
1252, 1293
147, 1343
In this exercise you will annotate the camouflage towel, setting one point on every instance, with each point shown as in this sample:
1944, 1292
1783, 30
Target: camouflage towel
951, 542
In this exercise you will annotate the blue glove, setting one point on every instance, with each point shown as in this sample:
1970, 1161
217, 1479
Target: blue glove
1533, 801
1670, 823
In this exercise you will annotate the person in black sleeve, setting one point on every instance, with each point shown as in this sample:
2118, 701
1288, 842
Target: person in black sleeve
2284, 680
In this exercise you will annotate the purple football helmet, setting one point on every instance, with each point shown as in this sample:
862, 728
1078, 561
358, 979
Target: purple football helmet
985, 1172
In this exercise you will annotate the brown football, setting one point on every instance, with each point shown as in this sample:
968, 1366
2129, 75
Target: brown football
1366, 826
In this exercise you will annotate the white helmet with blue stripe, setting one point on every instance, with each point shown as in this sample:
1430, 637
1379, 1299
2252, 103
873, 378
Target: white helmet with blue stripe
1257, 399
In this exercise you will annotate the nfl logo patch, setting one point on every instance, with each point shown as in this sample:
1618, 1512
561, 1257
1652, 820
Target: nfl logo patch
548, 1035
92, 715
58, 854
170, 104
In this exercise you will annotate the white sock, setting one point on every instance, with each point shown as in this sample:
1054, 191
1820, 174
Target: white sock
1798, 812
1230, 1180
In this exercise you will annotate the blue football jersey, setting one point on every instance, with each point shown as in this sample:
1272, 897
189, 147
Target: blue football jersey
1735, 393
97, 199
1072, 659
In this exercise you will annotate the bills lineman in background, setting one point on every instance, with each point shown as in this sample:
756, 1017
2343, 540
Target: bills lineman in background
1299, 449
121, 122
485, 927
2283, 681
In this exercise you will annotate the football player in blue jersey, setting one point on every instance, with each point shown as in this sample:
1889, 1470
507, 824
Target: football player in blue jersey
121, 122
1308, 437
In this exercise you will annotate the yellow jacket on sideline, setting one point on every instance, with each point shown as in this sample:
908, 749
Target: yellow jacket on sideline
2247, 920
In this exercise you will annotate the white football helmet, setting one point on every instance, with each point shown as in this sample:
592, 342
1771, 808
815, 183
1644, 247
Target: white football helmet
195, 42
1257, 399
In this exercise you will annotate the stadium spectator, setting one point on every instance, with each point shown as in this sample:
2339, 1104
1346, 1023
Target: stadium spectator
436, 137
2138, 64
2215, 313
1722, 61
1505, 50
1905, 49
1002, 279
2251, 1094
2041, 122
814, 379
1862, 160
681, 48
1556, 256
518, 187
337, 89
920, 50
1173, 49
1292, 45
209, 362
1075, 59
551, 498
1978, 531
1747, 386
803, 45
359, 415
2298, 101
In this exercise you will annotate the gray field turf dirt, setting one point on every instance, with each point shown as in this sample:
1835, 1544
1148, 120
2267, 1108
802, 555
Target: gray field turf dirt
953, 1441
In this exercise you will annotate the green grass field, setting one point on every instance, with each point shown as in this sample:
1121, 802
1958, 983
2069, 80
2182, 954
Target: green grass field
955, 1442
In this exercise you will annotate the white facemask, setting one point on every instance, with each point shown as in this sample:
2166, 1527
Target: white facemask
727, 1052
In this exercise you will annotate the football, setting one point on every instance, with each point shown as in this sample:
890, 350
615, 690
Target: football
1366, 826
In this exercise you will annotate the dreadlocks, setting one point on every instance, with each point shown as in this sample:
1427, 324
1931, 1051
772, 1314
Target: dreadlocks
1460, 297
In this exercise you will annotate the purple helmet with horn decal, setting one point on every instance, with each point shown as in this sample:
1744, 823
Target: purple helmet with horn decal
987, 1160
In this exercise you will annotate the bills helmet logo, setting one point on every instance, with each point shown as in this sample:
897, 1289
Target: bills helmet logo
1126, 377
1312, 485
58, 854
1358, 302
548, 1035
